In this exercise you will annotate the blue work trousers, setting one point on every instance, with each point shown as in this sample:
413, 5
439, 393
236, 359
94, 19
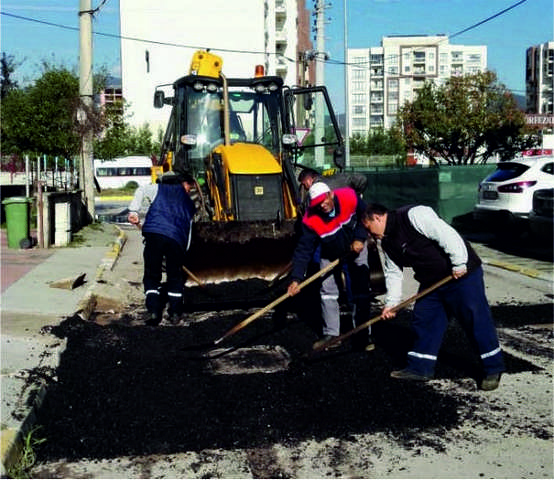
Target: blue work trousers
157, 248
464, 299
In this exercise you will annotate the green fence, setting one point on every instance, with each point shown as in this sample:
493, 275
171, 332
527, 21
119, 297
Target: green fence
450, 190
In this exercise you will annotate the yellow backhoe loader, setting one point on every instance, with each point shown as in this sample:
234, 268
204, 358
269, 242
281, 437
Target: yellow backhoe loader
243, 140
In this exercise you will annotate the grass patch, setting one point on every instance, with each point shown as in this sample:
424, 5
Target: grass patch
28, 458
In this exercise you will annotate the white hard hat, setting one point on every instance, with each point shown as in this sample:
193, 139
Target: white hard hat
318, 191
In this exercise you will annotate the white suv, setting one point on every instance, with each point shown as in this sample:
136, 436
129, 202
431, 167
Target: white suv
507, 193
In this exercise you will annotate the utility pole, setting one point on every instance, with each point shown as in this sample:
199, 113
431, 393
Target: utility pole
320, 56
346, 91
86, 181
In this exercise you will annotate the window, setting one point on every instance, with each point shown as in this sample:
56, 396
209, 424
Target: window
358, 74
358, 122
359, 98
376, 59
358, 109
358, 86
457, 56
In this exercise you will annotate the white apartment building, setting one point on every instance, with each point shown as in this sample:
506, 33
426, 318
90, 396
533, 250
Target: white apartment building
159, 39
539, 78
382, 78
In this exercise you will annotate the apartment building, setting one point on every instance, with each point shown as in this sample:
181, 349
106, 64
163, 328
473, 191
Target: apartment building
112, 93
244, 33
382, 78
539, 78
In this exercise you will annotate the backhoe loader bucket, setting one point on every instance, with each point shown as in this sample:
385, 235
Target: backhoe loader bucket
229, 251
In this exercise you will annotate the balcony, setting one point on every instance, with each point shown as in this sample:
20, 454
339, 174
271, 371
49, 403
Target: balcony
280, 8
281, 35
377, 72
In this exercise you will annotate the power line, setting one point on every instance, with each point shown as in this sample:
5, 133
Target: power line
502, 12
249, 52
153, 42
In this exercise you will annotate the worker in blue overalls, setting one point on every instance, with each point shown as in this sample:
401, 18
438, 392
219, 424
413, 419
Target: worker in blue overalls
416, 237
167, 232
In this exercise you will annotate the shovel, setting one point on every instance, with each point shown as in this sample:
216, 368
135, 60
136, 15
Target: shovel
396, 308
276, 302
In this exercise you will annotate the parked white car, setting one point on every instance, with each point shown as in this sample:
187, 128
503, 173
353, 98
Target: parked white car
506, 195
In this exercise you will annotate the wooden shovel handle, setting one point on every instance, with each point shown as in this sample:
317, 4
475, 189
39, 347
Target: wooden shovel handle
396, 308
282, 298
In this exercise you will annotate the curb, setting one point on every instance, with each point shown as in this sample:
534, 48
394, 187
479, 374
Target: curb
13, 439
529, 272
88, 302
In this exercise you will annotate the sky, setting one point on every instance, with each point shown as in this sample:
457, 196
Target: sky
507, 36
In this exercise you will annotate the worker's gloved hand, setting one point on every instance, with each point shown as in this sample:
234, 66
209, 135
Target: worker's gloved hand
459, 271
293, 288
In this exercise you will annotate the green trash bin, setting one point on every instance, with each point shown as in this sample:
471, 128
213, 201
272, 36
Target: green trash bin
17, 220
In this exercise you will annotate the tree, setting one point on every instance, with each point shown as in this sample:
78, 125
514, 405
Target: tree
378, 142
119, 139
467, 120
43, 118
7, 67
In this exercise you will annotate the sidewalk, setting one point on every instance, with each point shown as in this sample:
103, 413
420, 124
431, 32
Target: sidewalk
29, 305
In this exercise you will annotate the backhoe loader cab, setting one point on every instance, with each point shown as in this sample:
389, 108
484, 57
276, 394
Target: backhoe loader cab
243, 139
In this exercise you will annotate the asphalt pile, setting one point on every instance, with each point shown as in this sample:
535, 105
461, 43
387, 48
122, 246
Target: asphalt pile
137, 390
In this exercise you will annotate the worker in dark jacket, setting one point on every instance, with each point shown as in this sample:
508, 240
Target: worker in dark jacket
166, 232
332, 222
416, 237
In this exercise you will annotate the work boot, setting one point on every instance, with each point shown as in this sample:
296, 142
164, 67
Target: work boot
323, 340
363, 344
370, 345
154, 319
490, 382
406, 374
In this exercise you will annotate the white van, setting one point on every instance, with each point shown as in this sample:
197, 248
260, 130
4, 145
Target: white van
117, 173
